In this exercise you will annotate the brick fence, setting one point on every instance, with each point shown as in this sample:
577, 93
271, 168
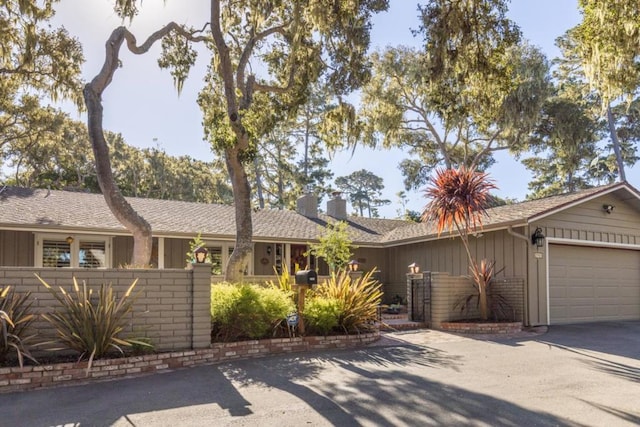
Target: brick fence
172, 310
34, 377
447, 290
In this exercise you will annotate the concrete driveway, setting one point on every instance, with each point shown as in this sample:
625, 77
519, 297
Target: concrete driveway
572, 375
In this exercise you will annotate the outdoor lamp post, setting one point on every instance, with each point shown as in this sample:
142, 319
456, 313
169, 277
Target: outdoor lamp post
414, 268
353, 265
201, 254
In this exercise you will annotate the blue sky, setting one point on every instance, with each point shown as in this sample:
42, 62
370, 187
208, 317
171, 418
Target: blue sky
142, 104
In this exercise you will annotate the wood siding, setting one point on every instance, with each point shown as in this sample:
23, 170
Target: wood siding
586, 222
447, 255
175, 252
16, 248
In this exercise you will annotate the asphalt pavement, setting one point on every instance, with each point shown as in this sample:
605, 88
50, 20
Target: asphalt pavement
584, 375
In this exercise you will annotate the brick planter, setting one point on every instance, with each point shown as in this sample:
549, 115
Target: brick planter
34, 377
482, 327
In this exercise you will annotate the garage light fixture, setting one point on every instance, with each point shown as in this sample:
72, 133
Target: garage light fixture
537, 238
608, 208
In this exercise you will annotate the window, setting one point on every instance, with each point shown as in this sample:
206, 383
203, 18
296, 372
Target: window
72, 251
56, 253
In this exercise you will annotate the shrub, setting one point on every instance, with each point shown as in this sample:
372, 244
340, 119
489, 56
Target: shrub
92, 324
15, 319
359, 299
244, 311
322, 315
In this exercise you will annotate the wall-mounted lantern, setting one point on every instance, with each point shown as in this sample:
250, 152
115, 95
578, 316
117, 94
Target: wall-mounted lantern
537, 238
608, 208
269, 250
353, 265
201, 254
69, 240
414, 268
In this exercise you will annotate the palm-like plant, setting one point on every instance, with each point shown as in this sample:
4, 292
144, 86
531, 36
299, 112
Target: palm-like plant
459, 199
15, 319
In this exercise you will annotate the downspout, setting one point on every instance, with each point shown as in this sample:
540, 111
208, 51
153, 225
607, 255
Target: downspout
525, 313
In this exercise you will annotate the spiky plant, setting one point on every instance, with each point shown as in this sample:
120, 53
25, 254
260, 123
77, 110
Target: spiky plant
459, 199
92, 324
15, 319
359, 298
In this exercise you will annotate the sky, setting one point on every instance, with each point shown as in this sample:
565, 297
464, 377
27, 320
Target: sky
142, 104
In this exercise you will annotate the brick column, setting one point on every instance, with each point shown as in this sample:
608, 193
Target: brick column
201, 306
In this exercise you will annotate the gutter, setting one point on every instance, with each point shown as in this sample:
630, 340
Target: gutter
514, 234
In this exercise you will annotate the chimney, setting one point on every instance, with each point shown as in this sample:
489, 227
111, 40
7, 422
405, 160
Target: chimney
337, 206
307, 205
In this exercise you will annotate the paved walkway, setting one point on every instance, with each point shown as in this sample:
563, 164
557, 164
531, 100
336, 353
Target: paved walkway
574, 376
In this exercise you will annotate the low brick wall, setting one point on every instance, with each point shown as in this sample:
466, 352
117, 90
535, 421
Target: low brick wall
172, 310
35, 377
447, 290
482, 328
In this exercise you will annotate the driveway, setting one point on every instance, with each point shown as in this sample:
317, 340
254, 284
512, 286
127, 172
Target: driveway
571, 375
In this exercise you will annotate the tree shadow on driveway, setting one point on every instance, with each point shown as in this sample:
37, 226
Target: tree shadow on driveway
386, 386
370, 386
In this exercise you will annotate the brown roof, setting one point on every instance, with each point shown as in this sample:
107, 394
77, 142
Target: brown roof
53, 209
44, 209
513, 214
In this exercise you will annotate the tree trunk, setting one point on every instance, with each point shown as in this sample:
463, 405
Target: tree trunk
616, 144
483, 303
244, 225
256, 165
120, 208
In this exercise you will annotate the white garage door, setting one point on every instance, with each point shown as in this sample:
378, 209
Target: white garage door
589, 284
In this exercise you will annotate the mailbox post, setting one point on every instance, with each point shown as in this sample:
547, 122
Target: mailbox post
304, 280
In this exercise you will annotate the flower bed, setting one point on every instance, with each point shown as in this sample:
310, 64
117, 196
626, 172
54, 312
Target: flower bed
34, 377
478, 327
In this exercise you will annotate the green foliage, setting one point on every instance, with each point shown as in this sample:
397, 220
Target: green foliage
357, 300
245, 311
322, 315
284, 280
92, 324
334, 247
15, 318
475, 88
609, 45
365, 190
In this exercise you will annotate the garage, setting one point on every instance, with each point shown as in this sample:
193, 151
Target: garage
589, 284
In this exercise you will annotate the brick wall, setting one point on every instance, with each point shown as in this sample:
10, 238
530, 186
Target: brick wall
34, 377
447, 290
172, 309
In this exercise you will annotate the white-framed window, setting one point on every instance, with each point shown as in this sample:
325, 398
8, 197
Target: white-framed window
219, 254
74, 250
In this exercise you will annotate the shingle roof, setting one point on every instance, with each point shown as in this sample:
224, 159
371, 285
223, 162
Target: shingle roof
502, 216
89, 212
44, 209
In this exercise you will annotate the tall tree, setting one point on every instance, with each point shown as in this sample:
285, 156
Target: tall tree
608, 40
296, 42
365, 191
474, 89
608, 43
38, 63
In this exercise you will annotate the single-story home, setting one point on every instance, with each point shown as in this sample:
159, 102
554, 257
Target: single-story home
584, 264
